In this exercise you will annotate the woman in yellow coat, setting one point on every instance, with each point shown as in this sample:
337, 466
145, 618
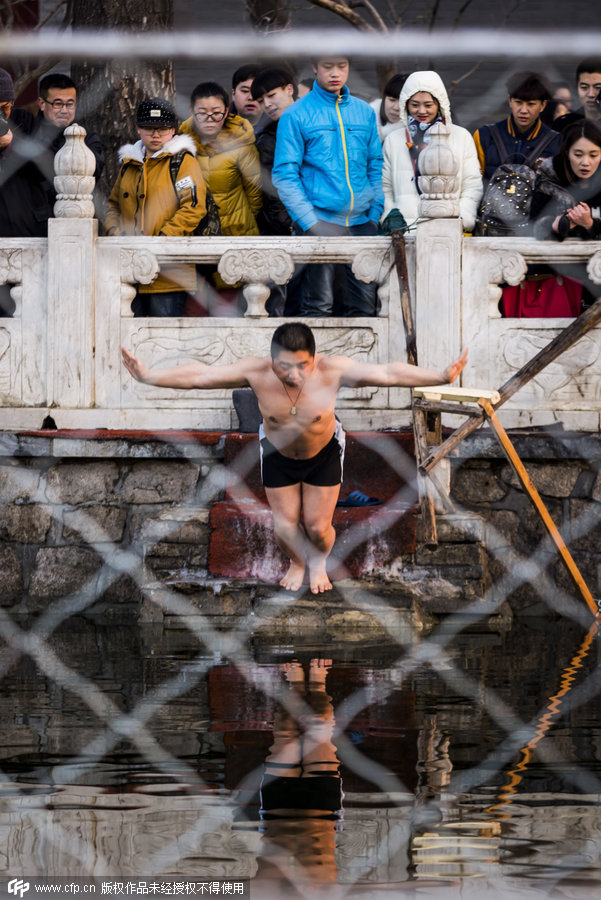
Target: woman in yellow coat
227, 156
154, 196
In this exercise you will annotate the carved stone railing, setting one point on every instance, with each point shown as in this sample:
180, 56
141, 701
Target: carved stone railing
60, 352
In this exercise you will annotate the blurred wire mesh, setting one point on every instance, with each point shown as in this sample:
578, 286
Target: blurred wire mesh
430, 833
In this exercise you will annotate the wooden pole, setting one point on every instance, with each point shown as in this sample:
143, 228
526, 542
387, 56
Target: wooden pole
542, 510
419, 416
562, 342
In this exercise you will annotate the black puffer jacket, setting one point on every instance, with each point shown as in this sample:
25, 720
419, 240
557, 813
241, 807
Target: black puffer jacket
554, 195
273, 217
27, 192
25, 205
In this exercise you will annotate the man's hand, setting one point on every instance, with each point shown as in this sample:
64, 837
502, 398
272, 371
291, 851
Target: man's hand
6, 139
136, 368
452, 372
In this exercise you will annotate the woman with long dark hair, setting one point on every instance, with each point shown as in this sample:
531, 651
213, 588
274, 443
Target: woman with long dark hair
386, 107
566, 204
567, 198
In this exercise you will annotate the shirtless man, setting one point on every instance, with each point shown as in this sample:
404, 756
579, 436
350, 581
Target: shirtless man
302, 443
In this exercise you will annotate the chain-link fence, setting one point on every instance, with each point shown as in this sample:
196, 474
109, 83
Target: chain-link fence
234, 731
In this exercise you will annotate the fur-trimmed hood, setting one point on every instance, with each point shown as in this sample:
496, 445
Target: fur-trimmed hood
136, 152
425, 81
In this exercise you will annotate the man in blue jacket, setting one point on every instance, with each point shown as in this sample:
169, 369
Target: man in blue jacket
328, 172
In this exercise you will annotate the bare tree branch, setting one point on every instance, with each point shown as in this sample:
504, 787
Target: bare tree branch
461, 12
8, 14
31, 75
434, 14
49, 15
375, 15
340, 9
457, 81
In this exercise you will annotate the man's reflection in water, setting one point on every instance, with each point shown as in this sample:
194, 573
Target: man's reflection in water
301, 791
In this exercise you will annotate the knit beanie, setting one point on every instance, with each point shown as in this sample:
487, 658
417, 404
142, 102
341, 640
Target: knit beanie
7, 88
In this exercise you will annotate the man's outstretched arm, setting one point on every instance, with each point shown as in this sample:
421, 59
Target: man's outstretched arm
194, 375
398, 374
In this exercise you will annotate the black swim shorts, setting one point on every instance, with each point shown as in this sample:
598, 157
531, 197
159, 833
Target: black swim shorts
323, 470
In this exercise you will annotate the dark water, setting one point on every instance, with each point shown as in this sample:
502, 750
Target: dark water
448, 767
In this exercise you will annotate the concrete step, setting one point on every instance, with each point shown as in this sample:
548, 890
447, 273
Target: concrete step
242, 544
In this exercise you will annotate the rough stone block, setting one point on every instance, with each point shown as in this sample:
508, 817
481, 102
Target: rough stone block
75, 482
502, 529
94, 524
455, 528
584, 486
28, 524
9, 444
61, 570
11, 575
472, 485
532, 529
451, 555
123, 590
588, 565
159, 482
188, 526
229, 602
18, 482
585, 526
552, 479
596, 492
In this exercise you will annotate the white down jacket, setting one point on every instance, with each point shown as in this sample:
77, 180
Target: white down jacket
398, 177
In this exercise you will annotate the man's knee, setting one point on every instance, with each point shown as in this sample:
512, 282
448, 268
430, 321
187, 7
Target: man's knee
285, 524
319, 530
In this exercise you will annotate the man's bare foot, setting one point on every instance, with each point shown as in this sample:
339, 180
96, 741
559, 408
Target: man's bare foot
318, 671
318, 579
293, 579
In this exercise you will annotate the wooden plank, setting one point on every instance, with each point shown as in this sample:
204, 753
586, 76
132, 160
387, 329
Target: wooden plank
520, 471
442, 407
458, 394
562, 342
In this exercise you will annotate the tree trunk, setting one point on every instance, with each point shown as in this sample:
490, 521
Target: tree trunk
385, 70
109, 92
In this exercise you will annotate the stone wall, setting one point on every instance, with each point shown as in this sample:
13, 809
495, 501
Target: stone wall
78, 515
123, 521
565, 469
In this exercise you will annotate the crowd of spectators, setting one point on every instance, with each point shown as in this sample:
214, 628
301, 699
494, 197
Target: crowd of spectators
277, 157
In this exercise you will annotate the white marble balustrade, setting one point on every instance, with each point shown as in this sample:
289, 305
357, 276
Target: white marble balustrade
60, 353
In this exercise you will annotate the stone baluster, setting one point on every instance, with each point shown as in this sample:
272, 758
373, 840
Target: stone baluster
74, 165
438, 179
71, 276
255, 269
438, 259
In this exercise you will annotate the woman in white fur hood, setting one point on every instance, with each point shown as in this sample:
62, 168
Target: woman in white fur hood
424, 101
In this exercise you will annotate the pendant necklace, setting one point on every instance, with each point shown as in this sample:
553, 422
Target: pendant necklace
294, 402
